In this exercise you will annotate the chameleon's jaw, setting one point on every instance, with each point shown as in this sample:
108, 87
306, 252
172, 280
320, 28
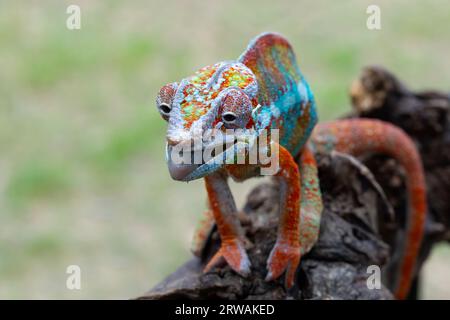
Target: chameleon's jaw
188, 162
192, 171
181, 171
178, 171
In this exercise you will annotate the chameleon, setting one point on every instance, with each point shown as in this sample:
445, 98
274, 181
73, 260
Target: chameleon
262, 90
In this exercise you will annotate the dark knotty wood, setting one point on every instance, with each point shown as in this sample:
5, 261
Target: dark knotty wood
425, 116
359, 226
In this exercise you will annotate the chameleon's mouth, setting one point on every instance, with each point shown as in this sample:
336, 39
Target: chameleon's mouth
196, 166
181, 171
178, 171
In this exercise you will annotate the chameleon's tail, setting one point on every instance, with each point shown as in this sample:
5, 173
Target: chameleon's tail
362, 136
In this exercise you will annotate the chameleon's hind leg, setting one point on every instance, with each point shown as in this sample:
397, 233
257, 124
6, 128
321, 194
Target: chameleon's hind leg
202, 232
298, 228
311, 201
224, 211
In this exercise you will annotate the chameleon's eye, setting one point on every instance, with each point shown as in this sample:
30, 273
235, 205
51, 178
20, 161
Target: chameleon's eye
165, 98
236, 109
164, 109
229, 118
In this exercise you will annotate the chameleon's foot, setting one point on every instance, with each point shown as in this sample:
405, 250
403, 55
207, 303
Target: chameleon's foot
284, 256
234, 254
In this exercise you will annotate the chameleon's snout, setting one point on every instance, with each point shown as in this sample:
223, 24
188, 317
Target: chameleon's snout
181, 171
177, 169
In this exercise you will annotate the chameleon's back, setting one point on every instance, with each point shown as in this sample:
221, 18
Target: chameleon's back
286, 100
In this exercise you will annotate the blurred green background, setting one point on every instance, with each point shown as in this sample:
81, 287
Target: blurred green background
82, 174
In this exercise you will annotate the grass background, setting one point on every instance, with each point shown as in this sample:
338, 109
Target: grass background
82, 173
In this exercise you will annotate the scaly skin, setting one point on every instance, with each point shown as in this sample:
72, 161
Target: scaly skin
264, 89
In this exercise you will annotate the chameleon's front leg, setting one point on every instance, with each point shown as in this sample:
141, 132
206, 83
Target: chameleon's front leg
224, 211
285, 255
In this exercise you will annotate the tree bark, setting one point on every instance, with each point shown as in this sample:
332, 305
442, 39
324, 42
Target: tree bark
425, 116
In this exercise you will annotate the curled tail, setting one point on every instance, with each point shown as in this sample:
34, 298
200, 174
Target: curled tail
361, 136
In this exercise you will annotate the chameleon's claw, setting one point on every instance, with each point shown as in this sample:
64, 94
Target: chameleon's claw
284, 257
234, 254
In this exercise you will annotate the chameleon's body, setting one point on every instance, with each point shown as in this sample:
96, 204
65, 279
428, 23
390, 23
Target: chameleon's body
264, 89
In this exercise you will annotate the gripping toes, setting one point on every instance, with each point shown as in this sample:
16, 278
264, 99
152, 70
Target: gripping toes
284, 257
234, 254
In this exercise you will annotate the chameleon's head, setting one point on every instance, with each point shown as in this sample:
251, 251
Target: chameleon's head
217, 97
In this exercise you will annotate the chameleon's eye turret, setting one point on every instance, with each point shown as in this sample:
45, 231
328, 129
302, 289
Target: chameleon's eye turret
164, 99
236, 109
